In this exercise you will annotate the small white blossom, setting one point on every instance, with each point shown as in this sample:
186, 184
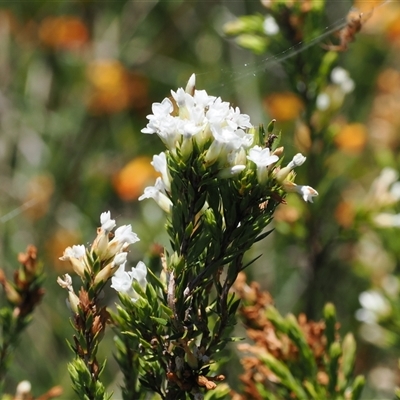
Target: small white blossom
76, 251
76, 256
122, 280
156, 192
139, 273
107, 224
119, 259
323, 101
160, 165
297, 160
270, 26
374, 306
342, 78
262, 157
306, 192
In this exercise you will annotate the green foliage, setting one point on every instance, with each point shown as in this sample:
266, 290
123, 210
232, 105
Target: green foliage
21, 296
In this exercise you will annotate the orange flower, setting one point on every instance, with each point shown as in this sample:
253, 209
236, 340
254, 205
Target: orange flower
65, 32
393, 30
114, 88
345, 214
351, 138
284, 106
131, 180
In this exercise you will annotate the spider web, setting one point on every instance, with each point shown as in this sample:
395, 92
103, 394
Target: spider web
253, 68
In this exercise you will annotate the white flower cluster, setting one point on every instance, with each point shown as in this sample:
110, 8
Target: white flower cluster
201, 117
377, 311
112, 253
225, 135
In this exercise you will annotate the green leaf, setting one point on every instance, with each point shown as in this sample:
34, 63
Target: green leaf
161, 321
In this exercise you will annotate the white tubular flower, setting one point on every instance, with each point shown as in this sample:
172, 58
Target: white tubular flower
160, 165
139, 274
120, 258
107, 224
385, 189
262, 158
306, 192
156, 192
342, 78
374, 306
66, 283
123, 237
122, 280
270, 26
297, 160
100, 244
76, 256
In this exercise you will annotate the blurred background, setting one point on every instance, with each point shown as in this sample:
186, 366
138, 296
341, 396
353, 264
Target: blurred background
77, 79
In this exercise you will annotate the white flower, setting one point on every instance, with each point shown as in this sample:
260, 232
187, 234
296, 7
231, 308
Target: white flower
76, 256
160, 165
374, 306
323, 101
122, 280
297, 160
76, 251
342, 78
139, 274
198, 116
262, 157
107, 224
124, 236
385, 189
307, 192
156, 192
119, 259
270, 26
